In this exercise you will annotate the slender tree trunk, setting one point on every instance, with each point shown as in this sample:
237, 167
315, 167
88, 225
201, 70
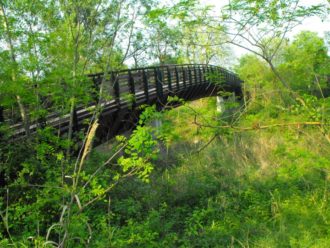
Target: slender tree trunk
71, 122
75, 32
278, 75
90, 133
293, 95
24, 115
22, 109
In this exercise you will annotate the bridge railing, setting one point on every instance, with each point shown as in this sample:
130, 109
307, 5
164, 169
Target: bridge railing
131, 87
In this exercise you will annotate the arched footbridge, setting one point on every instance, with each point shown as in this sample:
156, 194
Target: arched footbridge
131, 88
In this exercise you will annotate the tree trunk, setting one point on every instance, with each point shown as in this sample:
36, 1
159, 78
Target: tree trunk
22, 109
71, 123
293, 95
277, 74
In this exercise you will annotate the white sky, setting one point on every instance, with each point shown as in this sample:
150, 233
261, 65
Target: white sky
314, 24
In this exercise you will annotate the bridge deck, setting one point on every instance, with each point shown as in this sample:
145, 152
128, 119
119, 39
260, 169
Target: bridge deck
130, 88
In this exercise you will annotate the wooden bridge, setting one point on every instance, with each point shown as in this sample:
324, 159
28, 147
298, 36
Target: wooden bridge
131, 88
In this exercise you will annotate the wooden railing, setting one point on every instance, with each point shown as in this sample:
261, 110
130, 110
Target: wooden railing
133, 87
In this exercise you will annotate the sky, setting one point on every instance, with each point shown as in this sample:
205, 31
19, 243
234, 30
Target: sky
314, 24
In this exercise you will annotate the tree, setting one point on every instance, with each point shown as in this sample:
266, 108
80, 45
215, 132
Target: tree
197, 45
256, 75
49, 48
163, 37
306, 62
261, 26
164, 30
13, 70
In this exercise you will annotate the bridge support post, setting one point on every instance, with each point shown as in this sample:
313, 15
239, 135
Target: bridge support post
157, 123
233, 97
220, 104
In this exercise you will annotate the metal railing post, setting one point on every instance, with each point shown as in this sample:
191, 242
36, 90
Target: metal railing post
190, 76
200, 75
195, 74
169, 79
159, 84
131, 87
204, 74
177, 78
131, 83
184, 77
145, 85
207, 74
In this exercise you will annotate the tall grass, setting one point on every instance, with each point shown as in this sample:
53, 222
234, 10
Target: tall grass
257, 188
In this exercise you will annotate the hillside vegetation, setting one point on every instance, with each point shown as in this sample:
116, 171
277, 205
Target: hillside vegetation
247, 188
254, 175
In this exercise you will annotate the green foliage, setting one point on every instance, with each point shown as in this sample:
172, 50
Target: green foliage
311, 108
254, 72
188, 177
273, 12
140, 150
303, 63
45, 212
306, 63
260, 188
263, 188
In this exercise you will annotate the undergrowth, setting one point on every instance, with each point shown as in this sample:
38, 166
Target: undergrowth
257, 188
256, 175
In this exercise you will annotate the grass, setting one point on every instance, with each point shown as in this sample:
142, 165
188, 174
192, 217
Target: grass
260, 188
212, 187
